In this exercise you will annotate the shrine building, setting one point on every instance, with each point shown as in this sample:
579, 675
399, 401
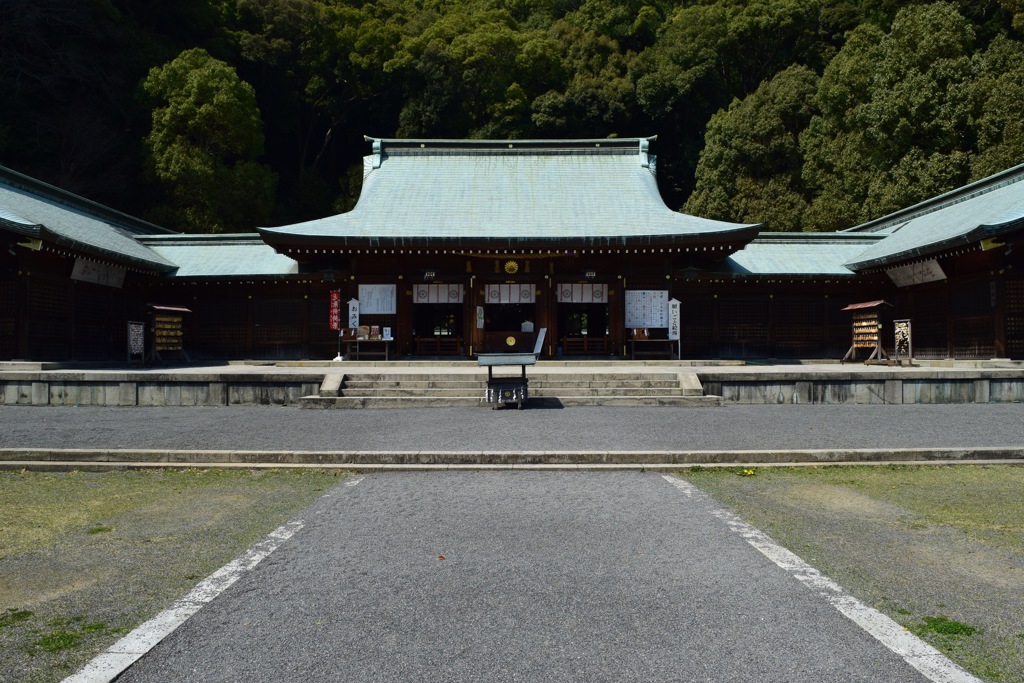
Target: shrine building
460, 247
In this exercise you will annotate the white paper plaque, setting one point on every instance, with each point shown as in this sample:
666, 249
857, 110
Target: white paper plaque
377, 299
646, 308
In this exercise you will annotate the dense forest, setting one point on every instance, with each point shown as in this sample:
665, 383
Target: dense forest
222, 115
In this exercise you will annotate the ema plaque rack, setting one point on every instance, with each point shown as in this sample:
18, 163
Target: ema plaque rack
867, 330
168, 333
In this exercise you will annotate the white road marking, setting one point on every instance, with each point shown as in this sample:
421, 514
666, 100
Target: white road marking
919, 654
110, 664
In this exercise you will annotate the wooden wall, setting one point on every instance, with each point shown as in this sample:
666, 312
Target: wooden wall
44, 315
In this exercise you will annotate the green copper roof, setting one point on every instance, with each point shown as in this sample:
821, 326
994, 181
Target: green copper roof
988, 208
35, 209
220, 255
799, 254
597, 191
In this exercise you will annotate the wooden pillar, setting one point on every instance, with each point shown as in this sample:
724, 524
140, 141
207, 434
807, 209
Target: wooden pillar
404, 343
307, 343
998, 287
617, 317
716, 336
250, 323
544, 310
473, 335
21, 314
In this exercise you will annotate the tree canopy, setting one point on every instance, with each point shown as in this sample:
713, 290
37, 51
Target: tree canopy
204, 146
226, 114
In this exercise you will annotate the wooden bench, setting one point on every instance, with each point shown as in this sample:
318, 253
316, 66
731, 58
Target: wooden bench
584, 346
651, 348
438, 346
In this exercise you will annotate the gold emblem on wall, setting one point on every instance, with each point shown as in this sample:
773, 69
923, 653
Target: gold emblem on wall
510, 341
511, 267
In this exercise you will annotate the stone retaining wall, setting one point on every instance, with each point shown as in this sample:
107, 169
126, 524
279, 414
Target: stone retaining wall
866, 390
168, 390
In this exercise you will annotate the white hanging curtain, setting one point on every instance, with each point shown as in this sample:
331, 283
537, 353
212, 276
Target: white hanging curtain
586, 293
511, 294
438, 294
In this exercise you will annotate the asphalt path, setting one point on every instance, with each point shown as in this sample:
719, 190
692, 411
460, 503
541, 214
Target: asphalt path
734, 427
518, 576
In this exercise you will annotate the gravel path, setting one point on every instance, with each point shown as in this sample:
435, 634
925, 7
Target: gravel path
518, 577
588, 428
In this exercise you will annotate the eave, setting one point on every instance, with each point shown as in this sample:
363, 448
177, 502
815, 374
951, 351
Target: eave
720, 243
973, 240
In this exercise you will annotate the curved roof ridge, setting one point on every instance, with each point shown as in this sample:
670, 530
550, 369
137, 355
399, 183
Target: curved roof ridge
601, 198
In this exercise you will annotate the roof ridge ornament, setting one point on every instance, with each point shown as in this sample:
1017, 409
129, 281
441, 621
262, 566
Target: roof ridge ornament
378, 152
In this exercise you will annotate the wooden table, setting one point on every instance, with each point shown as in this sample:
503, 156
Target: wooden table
357, 349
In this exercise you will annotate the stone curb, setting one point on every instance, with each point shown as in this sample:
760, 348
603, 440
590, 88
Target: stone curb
18, 458
55, 466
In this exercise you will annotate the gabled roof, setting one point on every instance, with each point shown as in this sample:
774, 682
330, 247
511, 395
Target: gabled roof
800, 254
33, 209
465, 193
220, 255
987, 209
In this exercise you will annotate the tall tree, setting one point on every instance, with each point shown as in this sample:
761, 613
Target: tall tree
707, 54
894, 122
206, 139
998, 92
749, 170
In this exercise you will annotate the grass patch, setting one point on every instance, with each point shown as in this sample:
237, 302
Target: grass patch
945, 626
13, 616
56, 641
984, 501
914, 541
69, 634
173, 527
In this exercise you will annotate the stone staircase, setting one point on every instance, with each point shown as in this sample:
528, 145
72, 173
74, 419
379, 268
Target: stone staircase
411, 390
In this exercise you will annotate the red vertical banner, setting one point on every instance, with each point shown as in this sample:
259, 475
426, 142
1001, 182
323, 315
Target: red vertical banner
335, 309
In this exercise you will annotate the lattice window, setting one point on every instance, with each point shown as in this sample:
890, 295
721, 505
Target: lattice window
1015, 318
969, 300
48, 324
99, 322
278, 328
972, 323
743, 327
929, 319
697, 317
799, 326
320, 331
8, 309
218, 329
973, 337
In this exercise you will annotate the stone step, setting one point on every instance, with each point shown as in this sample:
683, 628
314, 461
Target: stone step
417, 401
356, 402
380, 390
673, 385
423, 385
534, 391
481, 376
384, 392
